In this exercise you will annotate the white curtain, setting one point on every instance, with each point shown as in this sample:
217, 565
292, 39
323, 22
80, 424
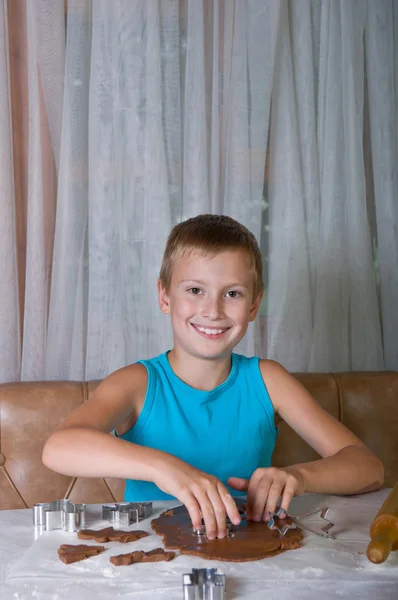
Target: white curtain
280, 113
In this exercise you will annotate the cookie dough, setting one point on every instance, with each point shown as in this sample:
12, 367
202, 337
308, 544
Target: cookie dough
69, 553
156, 555
108, 534
249, 541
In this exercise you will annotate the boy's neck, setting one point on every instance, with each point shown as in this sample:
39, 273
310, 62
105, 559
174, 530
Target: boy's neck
202, 374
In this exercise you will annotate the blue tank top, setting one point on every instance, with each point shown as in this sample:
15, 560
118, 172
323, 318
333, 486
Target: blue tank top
227, 432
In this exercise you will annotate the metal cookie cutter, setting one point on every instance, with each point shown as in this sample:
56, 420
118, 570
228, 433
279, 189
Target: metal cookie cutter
123, 514
201, 533
203, 584
318, 528
60, 514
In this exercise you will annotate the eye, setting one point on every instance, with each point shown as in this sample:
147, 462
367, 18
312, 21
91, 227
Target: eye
233, 294
195, 291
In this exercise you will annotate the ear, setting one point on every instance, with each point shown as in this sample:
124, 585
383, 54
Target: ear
255, 306
163, 298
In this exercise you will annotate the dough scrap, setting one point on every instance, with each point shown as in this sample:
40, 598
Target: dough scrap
156, 555
69, 553
109, 534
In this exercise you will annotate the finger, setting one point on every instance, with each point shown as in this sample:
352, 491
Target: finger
209, 516
258, 494
230, 505
274, 494
287, 496
238, 483
193, 508
251, 493
219, 513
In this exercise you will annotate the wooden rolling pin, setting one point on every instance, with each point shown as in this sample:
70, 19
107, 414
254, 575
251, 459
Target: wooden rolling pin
384, 529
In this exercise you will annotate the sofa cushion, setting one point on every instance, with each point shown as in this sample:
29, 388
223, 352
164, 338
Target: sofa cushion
369, 408
29, 412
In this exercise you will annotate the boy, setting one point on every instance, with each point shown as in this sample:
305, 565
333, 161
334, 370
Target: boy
197, 423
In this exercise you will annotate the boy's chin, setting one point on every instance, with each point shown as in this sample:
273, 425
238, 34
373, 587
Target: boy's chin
212, 354
205, 351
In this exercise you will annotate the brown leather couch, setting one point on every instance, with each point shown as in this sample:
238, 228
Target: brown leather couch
367, 403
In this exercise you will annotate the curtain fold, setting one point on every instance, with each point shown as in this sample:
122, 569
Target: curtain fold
345, 297
69, 283
141, 113
9, 310
289, 298
382, 76
40, 210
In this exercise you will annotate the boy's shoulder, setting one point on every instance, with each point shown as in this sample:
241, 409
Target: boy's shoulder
131, 378
277, 380
268, 367
271, 368
130, 383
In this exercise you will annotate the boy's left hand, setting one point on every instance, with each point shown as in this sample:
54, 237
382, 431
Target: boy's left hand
265, 487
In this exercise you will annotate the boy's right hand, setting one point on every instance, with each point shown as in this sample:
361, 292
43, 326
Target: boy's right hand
202, 494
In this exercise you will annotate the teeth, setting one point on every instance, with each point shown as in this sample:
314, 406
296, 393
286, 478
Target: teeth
211, 331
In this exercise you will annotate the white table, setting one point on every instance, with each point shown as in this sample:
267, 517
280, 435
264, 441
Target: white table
326, 569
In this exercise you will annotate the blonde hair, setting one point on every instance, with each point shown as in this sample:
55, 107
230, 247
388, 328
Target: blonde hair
211, 234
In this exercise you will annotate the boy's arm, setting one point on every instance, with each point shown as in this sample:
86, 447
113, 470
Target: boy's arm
347, 466
81, 446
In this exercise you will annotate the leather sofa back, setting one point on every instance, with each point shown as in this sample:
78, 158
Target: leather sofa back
367, 403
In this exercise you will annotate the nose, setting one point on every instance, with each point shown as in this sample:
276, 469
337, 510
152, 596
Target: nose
212, 309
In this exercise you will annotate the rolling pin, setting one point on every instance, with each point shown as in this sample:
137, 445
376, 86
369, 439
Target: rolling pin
384, 529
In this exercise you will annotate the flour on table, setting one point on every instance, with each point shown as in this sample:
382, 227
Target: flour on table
313, 571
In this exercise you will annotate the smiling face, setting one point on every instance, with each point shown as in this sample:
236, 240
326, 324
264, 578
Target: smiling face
210, 301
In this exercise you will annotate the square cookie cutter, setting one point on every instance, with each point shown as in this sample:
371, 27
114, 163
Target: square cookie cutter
203, 584
201, 533
321, 527
60, 514
122, 514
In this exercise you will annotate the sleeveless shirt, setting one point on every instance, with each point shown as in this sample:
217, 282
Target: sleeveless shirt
228, 431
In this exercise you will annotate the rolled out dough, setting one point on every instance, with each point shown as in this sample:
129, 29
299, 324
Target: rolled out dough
250, 541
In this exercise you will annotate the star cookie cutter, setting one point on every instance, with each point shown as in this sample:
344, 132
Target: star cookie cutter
318, 528
123, 514
203, 584
60, 514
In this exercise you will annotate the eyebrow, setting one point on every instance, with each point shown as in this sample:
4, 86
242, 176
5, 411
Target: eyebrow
200, 282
